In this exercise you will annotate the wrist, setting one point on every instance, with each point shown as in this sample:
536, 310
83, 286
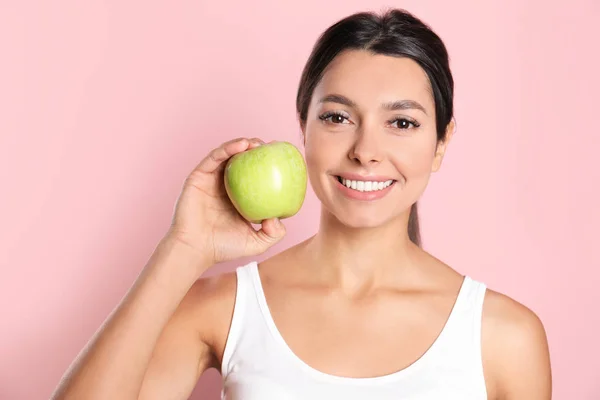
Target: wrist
175, 266
188, 256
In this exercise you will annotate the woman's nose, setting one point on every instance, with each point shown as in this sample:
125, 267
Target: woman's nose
367, 149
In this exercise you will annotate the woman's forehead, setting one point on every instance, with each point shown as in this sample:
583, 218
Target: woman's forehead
365, 77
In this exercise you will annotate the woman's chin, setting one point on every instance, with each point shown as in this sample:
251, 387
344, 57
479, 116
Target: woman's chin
364, 221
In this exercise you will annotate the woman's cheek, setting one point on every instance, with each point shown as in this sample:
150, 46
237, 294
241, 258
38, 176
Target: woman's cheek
322, 147
315, 152
414, 162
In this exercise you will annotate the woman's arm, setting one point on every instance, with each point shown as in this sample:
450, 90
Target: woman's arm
114, 362
515, 350
157, 340
193, 340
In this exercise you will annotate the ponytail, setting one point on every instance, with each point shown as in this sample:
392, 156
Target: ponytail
414, 232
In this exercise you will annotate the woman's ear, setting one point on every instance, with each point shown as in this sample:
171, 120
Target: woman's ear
302, 125
442, 146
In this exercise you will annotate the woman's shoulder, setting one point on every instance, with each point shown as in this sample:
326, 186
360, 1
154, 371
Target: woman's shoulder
209, 306
214, 295
510, 320
514, 343
214, 289
506, 311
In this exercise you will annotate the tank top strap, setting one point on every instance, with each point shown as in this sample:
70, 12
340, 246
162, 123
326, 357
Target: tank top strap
470, 308
245, 304
469, 302
461, 337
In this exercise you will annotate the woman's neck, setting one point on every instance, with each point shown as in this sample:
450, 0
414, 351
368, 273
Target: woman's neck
360, 259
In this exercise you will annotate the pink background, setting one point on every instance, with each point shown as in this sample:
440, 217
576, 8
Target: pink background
107, 105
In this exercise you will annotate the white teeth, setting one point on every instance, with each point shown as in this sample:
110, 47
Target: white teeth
365, 186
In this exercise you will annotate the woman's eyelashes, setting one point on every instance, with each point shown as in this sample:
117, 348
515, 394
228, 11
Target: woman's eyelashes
405, 123
340, 118
334, 117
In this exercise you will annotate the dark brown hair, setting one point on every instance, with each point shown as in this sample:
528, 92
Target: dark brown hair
395, 33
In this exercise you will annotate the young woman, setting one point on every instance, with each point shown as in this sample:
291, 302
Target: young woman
359, 310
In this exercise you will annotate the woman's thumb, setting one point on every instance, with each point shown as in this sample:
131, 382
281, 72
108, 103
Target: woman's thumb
271, 232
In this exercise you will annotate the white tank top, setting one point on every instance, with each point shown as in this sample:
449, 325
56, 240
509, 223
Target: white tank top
258, 364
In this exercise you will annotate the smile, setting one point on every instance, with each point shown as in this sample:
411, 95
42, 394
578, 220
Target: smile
365, 186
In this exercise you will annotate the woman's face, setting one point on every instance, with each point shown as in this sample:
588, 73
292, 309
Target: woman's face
370, 138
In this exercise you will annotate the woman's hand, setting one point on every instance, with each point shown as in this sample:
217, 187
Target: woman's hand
206, 220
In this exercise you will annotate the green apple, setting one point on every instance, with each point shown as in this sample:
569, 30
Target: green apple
268, 181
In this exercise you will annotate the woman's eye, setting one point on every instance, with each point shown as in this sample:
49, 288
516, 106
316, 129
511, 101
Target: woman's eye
334, 118
403, 123
338, 119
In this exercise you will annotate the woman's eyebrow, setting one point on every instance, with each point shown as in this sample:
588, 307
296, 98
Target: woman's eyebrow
339, 99
404, 105
392, 106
